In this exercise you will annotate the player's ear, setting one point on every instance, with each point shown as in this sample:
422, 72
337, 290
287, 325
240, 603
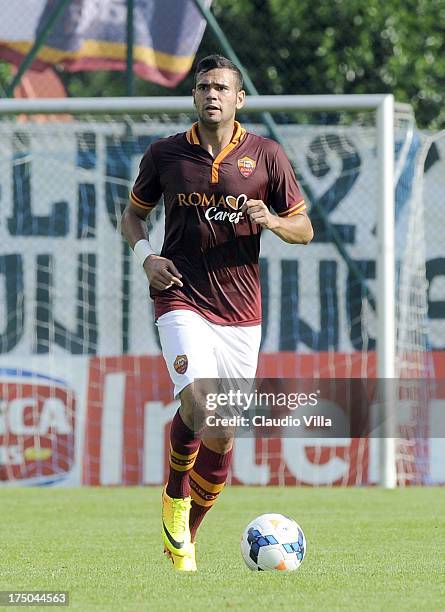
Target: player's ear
193, 96
240, 99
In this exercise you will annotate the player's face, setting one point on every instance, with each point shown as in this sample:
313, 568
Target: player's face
216, 96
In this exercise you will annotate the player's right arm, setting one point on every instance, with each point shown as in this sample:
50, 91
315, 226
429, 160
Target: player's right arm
160, 271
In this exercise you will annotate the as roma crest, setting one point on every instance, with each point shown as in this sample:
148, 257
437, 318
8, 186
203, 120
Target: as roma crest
181, 364
246, 165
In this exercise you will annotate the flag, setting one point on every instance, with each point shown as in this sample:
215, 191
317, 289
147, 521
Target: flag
91, 35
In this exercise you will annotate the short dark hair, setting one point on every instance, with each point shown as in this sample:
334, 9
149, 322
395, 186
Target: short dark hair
218, 61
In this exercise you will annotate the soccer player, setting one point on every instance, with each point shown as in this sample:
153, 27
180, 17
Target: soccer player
221, 187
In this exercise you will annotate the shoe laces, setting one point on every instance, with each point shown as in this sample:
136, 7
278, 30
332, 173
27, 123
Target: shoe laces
180, 514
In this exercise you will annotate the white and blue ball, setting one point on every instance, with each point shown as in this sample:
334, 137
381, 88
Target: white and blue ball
273, 542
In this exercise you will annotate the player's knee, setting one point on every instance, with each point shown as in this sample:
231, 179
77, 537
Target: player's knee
193, 406
222, 444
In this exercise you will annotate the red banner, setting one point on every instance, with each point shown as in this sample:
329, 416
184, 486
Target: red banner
130, 406
37, 421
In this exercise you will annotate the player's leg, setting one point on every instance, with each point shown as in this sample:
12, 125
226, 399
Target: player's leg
176, 494
185, 361
208, 477
237, 355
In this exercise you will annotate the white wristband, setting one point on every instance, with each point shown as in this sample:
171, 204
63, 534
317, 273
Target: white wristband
142, 250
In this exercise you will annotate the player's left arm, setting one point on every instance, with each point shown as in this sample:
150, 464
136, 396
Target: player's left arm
296, 229
290, 223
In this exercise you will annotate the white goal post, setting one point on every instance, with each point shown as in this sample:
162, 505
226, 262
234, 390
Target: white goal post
384, 108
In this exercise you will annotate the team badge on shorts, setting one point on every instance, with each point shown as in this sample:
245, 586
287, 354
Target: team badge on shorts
246, 165
181, 364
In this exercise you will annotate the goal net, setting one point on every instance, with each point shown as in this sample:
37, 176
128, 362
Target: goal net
85, 396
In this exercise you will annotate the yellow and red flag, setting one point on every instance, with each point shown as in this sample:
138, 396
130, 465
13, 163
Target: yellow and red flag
91, 35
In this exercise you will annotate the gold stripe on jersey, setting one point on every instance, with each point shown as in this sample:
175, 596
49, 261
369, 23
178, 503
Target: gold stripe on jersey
194, 134
293, 210
238, 134
141, 203
297, 212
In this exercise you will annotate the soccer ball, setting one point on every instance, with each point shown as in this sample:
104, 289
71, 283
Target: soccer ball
273, 542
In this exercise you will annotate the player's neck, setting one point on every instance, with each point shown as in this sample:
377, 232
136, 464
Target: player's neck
216, 138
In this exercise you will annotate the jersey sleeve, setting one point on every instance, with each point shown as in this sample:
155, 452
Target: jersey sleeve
284, 193
147, 188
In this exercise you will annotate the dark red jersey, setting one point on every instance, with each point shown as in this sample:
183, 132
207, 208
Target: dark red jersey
210, 240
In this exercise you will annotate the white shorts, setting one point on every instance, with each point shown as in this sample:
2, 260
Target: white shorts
196, 348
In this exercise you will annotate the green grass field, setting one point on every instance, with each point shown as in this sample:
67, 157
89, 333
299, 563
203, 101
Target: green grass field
368, 549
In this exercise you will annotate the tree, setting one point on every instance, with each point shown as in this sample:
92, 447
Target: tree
343, 46
5, 76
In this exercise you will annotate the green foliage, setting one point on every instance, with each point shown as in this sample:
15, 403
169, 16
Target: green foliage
319, 46
5, 76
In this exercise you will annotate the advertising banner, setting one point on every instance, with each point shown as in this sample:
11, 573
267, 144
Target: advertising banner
85, 395
41, 420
